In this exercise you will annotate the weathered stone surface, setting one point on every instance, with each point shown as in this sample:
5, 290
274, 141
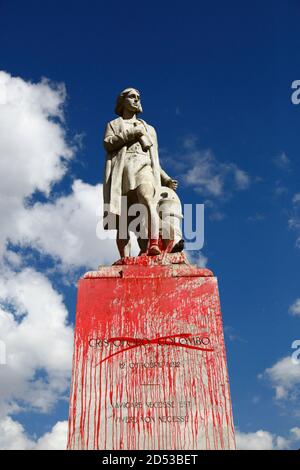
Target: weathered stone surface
149, 368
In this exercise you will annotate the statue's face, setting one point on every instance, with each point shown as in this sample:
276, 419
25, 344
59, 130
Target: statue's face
132, 101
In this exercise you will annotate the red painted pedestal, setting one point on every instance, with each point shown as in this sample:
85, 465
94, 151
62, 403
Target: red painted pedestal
149, 369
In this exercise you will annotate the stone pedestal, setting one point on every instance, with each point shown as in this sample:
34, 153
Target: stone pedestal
149, 367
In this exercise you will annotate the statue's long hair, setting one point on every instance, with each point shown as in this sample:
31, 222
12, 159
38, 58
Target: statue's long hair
120, 101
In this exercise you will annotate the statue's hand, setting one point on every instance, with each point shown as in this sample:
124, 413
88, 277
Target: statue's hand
173, 184
139, 131
135, 133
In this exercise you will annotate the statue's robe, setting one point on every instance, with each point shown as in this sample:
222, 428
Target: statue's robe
115, 139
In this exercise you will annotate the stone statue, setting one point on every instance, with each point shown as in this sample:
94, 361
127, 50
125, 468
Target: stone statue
132, 169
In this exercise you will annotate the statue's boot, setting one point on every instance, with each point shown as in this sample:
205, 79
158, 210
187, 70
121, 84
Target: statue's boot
153, 249
179, 246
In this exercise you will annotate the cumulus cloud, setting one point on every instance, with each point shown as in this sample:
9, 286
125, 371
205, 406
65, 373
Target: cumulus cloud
33, 144
295, 307
56, 439
265, 440
210, 177
69, 229
214, 180
33, 318
38, 339
200, 169
284, 377
13, 437
296, 433
260, 440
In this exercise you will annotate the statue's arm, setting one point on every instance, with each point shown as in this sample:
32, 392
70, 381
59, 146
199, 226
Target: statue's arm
165, 178
115, 141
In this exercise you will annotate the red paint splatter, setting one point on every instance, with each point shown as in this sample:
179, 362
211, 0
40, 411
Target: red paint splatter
140, 342
149, 395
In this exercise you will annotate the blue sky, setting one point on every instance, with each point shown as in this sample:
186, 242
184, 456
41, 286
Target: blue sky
215, 80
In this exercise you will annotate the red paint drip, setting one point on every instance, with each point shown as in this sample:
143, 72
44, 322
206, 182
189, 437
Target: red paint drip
167, 392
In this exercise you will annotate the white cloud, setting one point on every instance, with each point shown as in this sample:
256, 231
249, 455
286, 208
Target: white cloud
190, 142
33, 318
296, 433
210, 177
259, 440
282, 161
265, 440
295, 307
13, 259
200, 169
56, 439
294, 220
13, 437
66, 228
197, 258
296, 198
214, 212
38, 339
242, 178
232, 335
203, 176
33, 145
284, 376
202, 260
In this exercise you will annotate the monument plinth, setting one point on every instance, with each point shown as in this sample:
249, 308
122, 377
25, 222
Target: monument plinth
149, 367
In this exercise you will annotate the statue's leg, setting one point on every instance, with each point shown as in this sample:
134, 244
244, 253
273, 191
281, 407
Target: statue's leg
143, 244
145, 194
123, 240
123, 247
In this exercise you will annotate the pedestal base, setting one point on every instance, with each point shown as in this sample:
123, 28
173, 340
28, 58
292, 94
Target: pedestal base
149, 369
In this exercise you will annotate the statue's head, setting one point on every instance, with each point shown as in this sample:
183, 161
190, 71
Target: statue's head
130, 99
